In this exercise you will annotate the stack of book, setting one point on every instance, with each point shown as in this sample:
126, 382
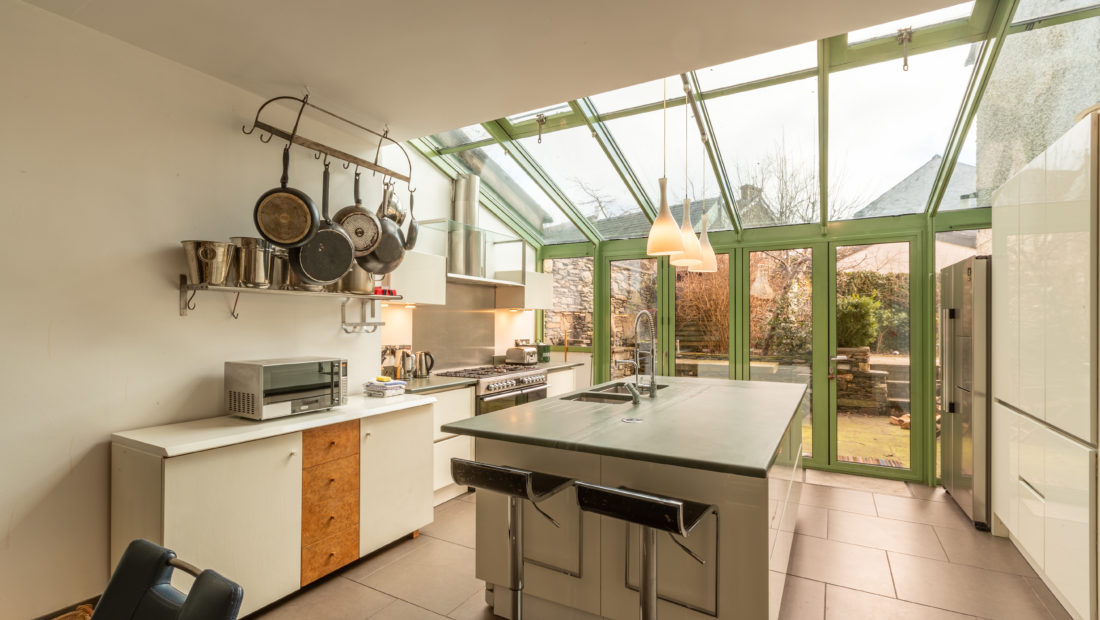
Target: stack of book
377, 388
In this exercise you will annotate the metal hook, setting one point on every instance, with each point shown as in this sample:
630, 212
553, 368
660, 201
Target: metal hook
347, 165
326, 160
317, 155
905, 37
541, 120
269, 137
191, 300
246, 131
233, 312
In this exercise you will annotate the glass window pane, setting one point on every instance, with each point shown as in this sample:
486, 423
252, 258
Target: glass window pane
768, 139
872, 330
569, 323
550, 110
702, 322
639, 138
1032, 9
633, 288
577, 164
888, 129
500, 173
786, 60
1042, 79
889, 29
781, 321
638, 94
458, 137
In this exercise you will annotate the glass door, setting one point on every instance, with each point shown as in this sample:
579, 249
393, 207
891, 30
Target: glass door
702, 326
872, 418
633, 288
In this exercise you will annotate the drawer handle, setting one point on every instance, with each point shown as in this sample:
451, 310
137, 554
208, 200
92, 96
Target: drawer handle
331, 480
331, 517
332, 443
332, 555
367, 436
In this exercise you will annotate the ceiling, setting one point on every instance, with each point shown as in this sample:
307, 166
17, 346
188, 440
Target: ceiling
426, 66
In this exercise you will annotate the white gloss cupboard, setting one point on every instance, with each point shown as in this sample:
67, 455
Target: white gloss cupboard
1045, 343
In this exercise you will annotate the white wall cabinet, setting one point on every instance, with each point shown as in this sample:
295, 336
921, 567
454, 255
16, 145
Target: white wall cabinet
537, 293
420, 279
560, 382
1006, 293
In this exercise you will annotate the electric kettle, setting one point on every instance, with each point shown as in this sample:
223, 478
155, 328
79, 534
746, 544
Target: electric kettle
424, 364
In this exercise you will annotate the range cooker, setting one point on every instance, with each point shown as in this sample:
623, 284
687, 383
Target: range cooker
503, 386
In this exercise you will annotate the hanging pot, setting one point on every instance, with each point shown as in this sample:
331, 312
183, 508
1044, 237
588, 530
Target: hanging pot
328, 255
362, 226
285, 216
391, 246
414, 227
391, 207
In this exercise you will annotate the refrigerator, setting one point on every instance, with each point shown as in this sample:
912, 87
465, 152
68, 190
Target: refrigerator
965, 402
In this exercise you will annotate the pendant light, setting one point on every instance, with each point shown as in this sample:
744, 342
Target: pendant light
664, 237
710, 261
692, 255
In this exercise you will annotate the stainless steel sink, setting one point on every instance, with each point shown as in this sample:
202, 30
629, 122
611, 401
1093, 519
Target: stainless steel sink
600, 397
620, 388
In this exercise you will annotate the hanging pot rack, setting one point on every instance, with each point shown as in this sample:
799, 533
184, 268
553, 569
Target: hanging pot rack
293, 137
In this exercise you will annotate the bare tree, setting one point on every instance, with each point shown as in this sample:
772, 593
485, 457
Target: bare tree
596, 198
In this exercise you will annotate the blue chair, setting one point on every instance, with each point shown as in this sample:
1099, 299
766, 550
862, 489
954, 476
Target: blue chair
141, 589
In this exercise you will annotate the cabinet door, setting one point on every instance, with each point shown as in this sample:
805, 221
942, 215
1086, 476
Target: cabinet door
1034, 246
451, 406
395, 489
1069, 467
237, 510
1031, 523
456, 447
1006, 293
1070, 276
559, 382
1032, 448
1006, 461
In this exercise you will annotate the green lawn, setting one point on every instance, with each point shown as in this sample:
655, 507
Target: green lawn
868, 436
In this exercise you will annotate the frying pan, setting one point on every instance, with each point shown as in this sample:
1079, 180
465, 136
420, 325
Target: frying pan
414, 227
328, 255
391, 247
285, 216
361, 225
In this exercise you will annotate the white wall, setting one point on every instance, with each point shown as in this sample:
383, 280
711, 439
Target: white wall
110, 157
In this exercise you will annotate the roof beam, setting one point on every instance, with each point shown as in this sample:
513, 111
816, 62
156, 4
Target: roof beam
706, 133
610, 147
823, 53
968, 109
543, 180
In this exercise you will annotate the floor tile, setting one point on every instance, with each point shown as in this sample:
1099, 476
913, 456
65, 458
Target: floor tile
468, 497
887, 534
474, 608
812, 521
923, 491
383, 558
845, 604
438, 576
965, 589
455, 521
340, 598
400, 610
983, 550
1047, 598
800, 599
841, 564
863, 483
837, 498
945, 514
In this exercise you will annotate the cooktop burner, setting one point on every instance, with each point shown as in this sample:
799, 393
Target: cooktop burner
502, 378
485, 371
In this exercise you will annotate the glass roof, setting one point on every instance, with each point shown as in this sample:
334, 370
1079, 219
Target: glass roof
889, 29
519, 191
786, 60
575, 161
638, 94
458, 137
888, 129
1028, 10
549, 110
768, 139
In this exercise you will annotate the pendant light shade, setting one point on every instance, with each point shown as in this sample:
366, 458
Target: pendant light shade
664, 235
709, 262
691, 256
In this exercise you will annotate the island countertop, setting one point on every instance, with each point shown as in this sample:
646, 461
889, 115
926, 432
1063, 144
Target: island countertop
713, 424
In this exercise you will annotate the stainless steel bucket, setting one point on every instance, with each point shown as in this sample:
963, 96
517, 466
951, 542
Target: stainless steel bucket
253, 261
355, 281
208, 261
280, 268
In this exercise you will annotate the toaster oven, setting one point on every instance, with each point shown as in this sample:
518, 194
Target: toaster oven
273, 388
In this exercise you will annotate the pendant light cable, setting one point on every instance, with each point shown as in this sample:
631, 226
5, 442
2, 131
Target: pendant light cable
664, 128
685, 147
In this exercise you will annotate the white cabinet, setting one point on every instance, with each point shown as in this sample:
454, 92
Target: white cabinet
452, 406
459, 446
559, 382
1005, 464
236, 510
421, 278
1006, 293
395, 476
1031, 446
1033, 291
537, 293
1067, 502
1030, 525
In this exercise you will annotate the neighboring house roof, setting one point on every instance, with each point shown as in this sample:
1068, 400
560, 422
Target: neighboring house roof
635, 224
910, 195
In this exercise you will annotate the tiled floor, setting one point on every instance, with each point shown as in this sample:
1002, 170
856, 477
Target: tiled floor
864, 548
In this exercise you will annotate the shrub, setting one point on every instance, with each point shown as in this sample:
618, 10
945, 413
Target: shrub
856, 322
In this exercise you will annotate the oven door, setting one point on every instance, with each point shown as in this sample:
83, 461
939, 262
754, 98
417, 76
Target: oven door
496, 402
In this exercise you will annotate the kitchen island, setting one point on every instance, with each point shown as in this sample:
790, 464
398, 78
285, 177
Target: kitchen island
736, 445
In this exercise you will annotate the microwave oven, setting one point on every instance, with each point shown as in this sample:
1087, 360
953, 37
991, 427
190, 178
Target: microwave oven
273, 388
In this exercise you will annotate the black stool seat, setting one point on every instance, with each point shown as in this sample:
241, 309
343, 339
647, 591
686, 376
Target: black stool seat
530, 485
668, 514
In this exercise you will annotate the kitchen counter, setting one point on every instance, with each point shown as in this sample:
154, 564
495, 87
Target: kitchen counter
552, 366
209, 433
713, 424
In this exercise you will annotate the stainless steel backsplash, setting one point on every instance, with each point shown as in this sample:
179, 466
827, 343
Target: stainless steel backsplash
461, 333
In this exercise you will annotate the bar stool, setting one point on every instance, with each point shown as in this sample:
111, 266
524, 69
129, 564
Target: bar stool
653, 513
517, 484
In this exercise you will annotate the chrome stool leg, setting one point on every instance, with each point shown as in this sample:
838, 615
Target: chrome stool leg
649, 574
515, 540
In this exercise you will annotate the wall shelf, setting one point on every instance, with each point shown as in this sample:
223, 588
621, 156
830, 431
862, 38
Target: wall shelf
364, 325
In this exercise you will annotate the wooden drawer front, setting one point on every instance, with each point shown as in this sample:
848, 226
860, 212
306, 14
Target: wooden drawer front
321, 518
328, 443
331, 482
329, 554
